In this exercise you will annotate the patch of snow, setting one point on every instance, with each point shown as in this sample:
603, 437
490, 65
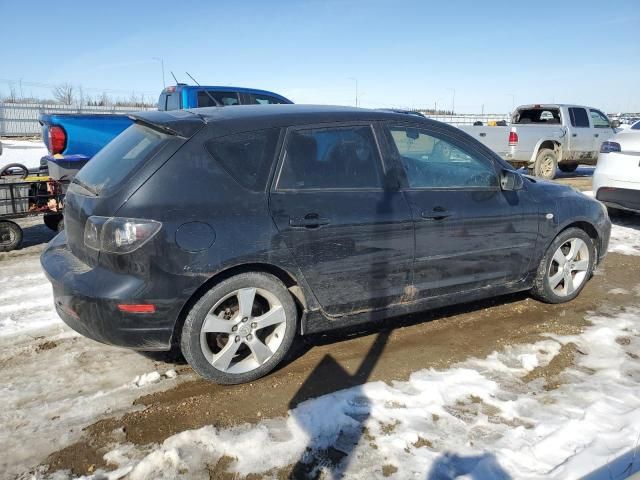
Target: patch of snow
54, 381
26, 152
529, 361
478, 419
147, 379
618, 291
625, 238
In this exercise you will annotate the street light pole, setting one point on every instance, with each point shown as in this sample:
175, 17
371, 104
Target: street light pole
161, 60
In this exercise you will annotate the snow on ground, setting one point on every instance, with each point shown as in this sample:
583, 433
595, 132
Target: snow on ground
625, 236
55, 382
26, 152
479, 419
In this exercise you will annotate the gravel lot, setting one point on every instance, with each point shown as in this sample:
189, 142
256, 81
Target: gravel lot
72, 400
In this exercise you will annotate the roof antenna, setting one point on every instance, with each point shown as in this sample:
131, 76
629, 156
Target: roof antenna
216, 102
174, 77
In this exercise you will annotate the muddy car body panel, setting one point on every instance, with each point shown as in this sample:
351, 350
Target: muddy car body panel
348, 252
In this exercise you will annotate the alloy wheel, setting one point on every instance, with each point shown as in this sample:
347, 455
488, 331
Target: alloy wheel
243, 330
568, 267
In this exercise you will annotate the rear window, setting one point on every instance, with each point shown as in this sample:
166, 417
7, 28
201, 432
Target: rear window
120, 158
246, 156
538, 115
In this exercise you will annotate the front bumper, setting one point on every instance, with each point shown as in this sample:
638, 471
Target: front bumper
87, 300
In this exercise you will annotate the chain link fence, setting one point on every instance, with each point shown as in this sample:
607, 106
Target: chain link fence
21, 119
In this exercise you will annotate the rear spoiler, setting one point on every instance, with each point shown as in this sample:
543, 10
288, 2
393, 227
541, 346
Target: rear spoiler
181, 123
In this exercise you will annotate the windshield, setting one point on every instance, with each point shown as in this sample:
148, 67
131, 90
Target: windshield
636, 126
120, 158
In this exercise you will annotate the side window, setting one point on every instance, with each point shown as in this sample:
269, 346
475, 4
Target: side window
331, 158
599, 120
206, 99
579, 117
246, 156
173, 101
258, 99
431, 162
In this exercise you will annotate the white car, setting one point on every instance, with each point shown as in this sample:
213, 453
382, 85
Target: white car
616, 181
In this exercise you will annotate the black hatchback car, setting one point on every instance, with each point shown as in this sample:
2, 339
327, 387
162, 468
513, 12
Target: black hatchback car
231, 231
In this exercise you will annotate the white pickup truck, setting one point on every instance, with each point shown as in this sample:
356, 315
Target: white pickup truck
545, 137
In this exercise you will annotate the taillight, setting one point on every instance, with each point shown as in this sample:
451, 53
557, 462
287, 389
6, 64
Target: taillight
513, 139
57, 139
118, 235
609, 147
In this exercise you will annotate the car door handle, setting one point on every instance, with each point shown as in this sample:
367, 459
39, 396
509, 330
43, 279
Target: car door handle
595, 134
483, 134
438, 213
574, 134
310, 220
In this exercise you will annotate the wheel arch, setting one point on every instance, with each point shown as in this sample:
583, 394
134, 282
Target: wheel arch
543, 143
287, 278
589, 229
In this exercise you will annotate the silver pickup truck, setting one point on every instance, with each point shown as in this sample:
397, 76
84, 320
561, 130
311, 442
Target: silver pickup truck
545, 137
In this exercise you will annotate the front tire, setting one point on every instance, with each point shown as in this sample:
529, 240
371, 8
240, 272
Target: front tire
241, 329
565, 268
546, 164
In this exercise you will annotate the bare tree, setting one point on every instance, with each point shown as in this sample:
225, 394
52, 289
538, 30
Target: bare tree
12, 93
81, 97
63, 93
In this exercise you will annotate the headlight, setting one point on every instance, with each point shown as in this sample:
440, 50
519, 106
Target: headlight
118, 235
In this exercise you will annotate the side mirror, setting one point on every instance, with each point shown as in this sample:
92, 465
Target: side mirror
615, 124
510, 181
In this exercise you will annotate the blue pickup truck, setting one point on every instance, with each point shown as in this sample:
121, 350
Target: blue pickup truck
72, 139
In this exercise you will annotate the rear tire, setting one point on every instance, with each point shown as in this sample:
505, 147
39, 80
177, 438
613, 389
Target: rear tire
55, 221
546, 164
241, 329
10, 236
568, 167
565, 268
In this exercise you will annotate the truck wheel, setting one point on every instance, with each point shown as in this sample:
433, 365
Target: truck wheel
55, 221
568, 167
10, 236
546, 164
241, 329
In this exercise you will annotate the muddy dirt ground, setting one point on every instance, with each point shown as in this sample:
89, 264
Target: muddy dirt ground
386, 351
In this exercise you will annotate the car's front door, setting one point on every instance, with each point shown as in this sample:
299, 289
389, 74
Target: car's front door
469, 233
351, 236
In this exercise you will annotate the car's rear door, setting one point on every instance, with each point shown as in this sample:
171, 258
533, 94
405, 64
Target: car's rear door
469, 233
351, 237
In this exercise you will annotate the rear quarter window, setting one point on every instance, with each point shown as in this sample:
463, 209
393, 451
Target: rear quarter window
247, 156
120, 158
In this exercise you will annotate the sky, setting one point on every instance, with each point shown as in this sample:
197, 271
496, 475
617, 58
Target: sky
479, 56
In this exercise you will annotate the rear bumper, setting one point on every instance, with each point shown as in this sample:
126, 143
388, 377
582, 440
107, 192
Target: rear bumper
622, 198
87, 300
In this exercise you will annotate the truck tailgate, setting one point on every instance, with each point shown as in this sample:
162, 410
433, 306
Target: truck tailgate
86, 134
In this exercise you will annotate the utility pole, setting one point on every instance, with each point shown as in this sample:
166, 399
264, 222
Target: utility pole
355, 80
161, 60
453, 101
